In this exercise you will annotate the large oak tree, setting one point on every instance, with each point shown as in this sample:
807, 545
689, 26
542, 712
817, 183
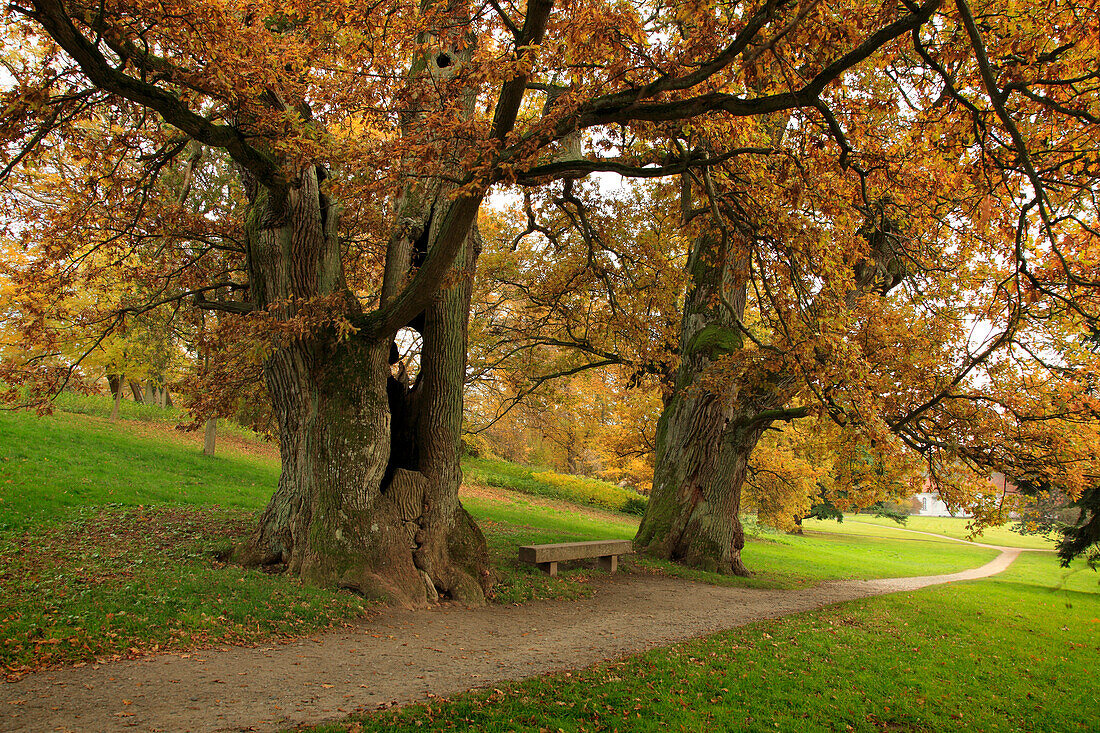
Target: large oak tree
908, 257
930, 291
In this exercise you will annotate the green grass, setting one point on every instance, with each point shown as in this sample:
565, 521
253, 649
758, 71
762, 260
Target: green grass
115, 580
1016, 652
53, 465
958, 527
131, 521
791, 561
99, 406
514, 522
777, 560
110, 538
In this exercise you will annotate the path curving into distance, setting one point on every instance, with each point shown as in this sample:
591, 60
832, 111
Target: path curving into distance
401, 656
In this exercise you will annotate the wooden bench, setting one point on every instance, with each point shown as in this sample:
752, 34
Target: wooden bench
547, 557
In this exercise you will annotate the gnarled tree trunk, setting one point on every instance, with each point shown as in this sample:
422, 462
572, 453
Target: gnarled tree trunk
448, 547
704, 439
692, 512
358, 505
692, 515
368, 497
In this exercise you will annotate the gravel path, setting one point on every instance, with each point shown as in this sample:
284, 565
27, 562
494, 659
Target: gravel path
401, 656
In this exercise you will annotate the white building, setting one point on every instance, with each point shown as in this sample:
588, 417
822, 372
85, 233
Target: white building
931, 505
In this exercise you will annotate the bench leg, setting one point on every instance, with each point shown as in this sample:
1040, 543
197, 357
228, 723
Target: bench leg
550, 568
610, 563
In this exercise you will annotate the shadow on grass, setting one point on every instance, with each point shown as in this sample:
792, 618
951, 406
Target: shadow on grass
1023, 588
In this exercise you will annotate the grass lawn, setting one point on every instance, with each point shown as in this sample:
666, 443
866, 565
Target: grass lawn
511, 520
110, 536
53, 465
1016, 652
109, 543
777, 560
576, 489
957, 527
789, 561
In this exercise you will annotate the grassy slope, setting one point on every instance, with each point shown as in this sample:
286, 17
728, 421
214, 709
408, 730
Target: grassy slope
831, 553
1016, 652
49, 466
778, 560
957, 527
580, 490
130, 518
109, 536
84, 575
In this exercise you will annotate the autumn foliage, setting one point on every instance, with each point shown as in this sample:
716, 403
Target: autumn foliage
878, 217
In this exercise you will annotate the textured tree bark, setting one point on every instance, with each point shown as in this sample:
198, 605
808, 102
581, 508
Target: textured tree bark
704, 440
692, 515
210, 435
115, 382
364, 501
368, 497
137, 392
448, 545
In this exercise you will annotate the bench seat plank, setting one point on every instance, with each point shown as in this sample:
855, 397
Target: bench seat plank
547, 557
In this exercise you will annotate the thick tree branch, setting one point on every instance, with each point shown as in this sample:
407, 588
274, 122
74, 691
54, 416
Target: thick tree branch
54, 19
511, 95
225, 306
538, 174
626, 106
462, 212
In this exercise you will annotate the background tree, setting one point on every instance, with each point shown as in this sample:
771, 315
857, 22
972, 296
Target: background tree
907, 370
1083, 536
901, 256
568, 331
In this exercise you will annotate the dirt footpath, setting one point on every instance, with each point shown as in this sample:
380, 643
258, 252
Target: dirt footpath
401, 656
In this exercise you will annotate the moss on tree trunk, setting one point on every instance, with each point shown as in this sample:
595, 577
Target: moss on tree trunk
704, 440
